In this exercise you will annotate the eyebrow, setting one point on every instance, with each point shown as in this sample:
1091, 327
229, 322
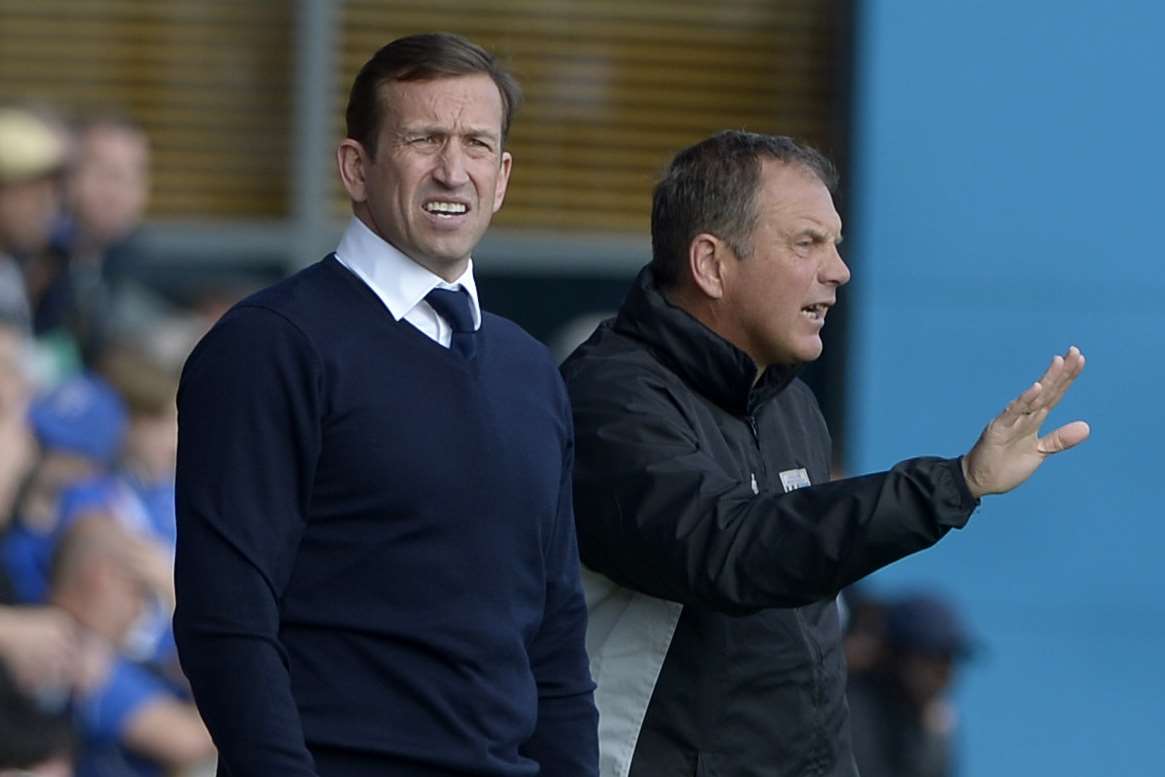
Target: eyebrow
430, 129
819, 234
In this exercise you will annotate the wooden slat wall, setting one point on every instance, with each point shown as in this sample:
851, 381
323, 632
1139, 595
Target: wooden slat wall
615, 87
209, 79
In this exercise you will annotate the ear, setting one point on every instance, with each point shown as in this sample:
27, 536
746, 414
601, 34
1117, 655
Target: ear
351, 158
706, 255
503, 180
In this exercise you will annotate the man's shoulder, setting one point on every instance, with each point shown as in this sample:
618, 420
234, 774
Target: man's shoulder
610, 357
291, 316
305, 292
309, 302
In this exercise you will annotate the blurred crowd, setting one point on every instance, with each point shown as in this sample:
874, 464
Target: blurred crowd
89, 359
904, 654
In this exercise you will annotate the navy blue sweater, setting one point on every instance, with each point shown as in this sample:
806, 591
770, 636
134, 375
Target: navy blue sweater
377, 571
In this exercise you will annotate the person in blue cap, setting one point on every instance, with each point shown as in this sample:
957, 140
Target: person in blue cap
79, 427
139, 493
902, 719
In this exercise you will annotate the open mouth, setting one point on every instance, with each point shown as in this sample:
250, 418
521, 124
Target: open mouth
815, 312
446, 209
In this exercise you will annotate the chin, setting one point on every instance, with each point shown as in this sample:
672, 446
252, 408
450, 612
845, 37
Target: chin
449, 252
809, 353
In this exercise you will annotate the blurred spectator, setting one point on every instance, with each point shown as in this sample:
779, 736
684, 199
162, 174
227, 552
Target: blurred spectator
32, 743
82, 288
32, 154
902, 718
131, 722
139, 492
16, 443
865, 630
79, 427
37, 646
107, 188
38, 669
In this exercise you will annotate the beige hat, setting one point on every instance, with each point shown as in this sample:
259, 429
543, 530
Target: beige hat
29, 146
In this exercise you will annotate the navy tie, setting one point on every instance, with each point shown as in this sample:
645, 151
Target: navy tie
456, 308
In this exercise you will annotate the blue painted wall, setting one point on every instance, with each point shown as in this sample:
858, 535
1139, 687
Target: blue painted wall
1008, 187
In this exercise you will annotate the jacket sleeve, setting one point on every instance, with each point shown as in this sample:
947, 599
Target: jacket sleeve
658, 514
248, 441
565, 741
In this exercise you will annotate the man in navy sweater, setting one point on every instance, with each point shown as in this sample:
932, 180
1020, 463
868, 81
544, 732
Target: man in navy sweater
376, 565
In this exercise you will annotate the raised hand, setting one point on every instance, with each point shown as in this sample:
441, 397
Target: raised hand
1010, 449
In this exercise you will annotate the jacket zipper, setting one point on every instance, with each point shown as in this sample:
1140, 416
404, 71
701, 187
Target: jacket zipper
818, 672
811, 646
760, 456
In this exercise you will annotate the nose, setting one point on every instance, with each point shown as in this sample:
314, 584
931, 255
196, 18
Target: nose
451, 170
834, 271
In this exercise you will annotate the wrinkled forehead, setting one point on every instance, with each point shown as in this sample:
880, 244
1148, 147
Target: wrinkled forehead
795, 193
466, 102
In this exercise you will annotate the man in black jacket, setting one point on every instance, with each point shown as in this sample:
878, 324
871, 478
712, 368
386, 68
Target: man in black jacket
716, 542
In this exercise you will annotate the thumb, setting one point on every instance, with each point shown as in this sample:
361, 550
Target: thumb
1067, 436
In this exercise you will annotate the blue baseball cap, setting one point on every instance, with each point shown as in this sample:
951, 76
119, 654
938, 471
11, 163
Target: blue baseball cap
925, 623
81, 415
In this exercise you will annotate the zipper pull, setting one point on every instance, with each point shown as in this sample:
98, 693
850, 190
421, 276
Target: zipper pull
755, 490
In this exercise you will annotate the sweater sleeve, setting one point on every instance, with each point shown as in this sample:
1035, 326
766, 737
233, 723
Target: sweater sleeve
659, 514
249, 436
565, 741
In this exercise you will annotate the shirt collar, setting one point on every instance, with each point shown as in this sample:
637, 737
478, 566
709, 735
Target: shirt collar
400, 282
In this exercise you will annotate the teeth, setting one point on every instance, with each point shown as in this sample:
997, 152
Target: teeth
453, 208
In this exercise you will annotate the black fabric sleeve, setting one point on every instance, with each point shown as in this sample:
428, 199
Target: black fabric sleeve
659, 514
565, 741
249, 437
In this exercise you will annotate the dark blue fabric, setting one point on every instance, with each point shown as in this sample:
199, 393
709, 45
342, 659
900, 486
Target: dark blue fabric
376, 568
457, 309
26, 556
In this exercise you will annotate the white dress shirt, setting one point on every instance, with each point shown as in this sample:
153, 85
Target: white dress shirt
400, 282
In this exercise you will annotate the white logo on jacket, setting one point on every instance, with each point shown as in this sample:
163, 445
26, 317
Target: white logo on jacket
792, 479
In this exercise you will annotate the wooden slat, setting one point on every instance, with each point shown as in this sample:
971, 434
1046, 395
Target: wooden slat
209, 80
613, 88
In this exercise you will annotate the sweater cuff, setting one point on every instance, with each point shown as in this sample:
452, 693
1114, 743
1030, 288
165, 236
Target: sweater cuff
961, 503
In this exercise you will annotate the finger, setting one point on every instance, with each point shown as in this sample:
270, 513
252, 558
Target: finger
1050, 380
1030, 423
1067, 436
1073, 366
1021, 405
1060, 377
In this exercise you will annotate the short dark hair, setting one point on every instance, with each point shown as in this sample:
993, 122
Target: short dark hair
712, 187
421, 58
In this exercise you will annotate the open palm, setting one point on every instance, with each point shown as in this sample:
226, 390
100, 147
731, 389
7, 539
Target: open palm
1010, 449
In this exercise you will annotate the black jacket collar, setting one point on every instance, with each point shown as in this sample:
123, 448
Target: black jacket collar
710, 364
